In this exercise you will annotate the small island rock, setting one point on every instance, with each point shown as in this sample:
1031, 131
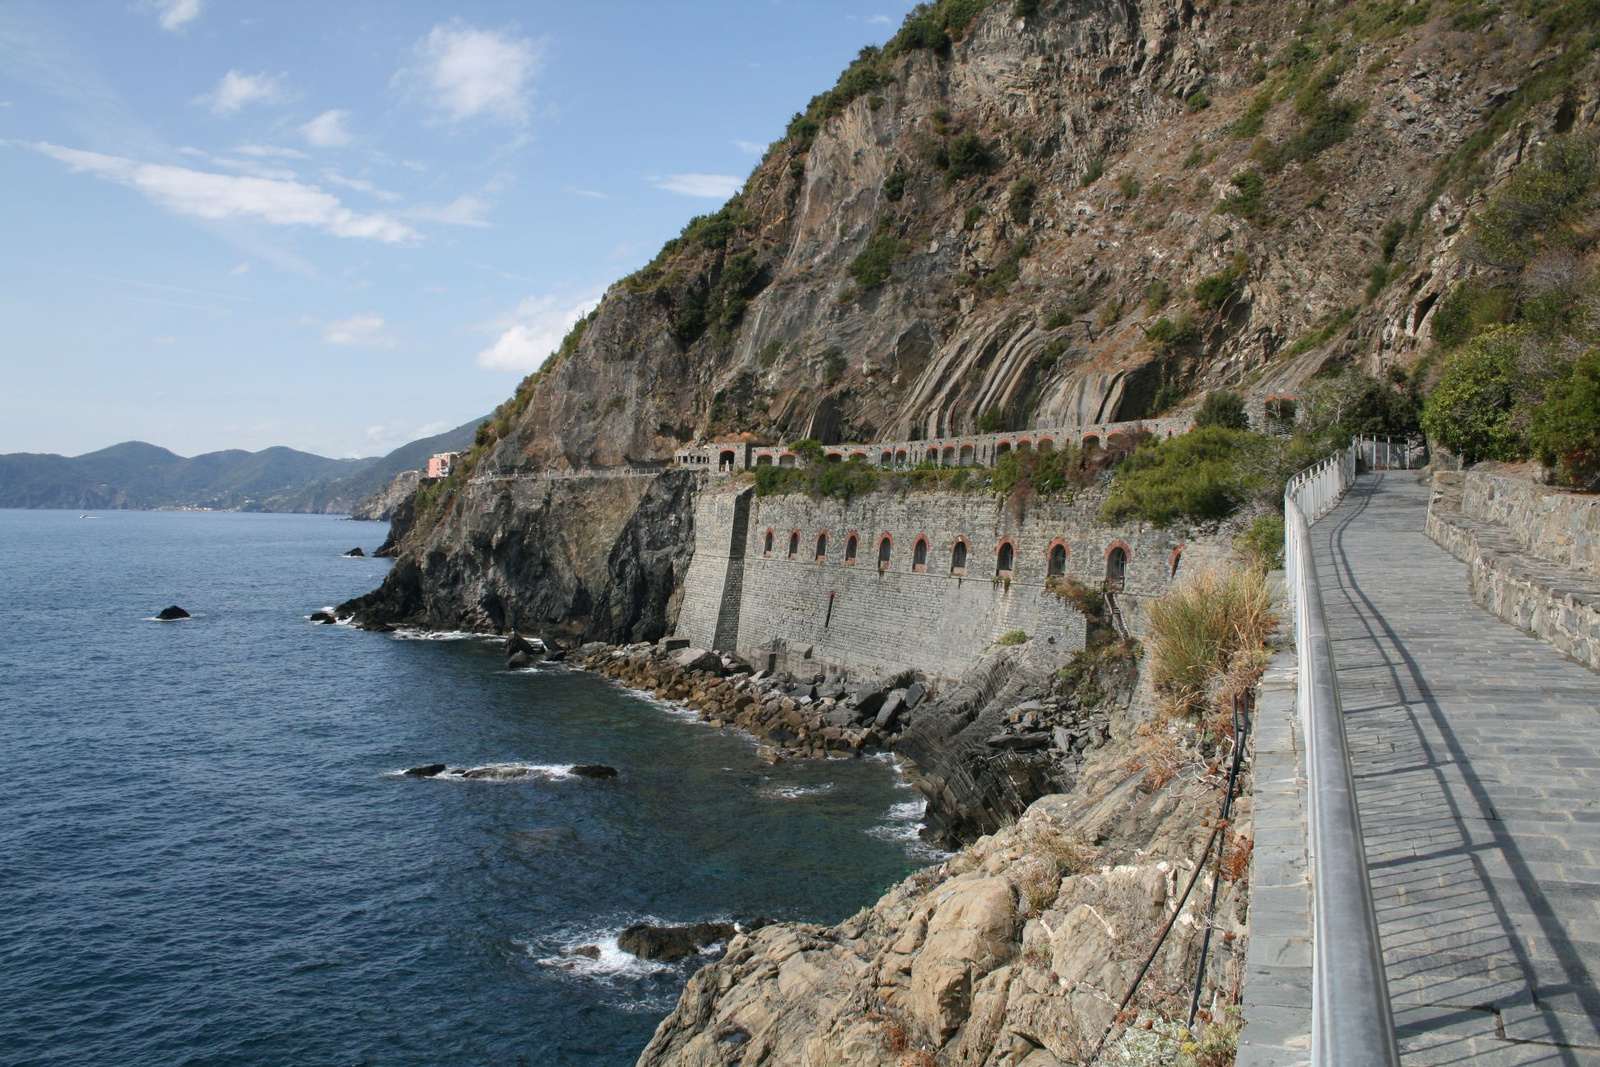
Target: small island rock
672, 942
355, 552
594, 770
171, 614
427, 770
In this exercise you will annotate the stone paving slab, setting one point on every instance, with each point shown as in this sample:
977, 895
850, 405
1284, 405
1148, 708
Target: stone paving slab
1476, 752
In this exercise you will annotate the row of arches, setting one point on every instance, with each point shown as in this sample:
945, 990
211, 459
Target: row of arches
1057, 556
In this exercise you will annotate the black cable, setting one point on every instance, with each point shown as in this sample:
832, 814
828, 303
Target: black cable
1241, 726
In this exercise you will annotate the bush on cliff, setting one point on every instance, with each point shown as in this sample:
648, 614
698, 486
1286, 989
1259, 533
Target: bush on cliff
1202, 476
1472, 411
1566, 427
1222, 407
839, 481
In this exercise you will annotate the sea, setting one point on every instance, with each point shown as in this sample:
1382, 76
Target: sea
210, 855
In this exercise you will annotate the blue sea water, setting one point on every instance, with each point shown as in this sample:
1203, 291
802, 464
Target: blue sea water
209, 858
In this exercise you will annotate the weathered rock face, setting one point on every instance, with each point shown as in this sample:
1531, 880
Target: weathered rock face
1017, 950
598, 557
380, 506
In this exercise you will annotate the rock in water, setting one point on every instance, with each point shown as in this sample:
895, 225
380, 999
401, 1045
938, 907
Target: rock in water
355, 552
520, 652
594, 770
672, 942
323, 618
171, 614
427, 770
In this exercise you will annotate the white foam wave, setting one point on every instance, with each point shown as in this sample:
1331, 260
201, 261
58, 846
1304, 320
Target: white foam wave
797, 792
612, 962
411, 633
904, 827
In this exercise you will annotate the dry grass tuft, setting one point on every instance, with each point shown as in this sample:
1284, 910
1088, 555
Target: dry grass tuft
1207, 639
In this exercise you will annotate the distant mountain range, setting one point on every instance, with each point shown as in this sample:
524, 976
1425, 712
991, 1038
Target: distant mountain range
139, 475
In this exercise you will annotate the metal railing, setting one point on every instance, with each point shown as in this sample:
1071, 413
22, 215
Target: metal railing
1351, 1019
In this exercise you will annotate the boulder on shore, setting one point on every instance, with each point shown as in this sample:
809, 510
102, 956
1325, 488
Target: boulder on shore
355, 552
323, 618
697, 659
520, 652
672, 942
427, 770
172, 614
594, 770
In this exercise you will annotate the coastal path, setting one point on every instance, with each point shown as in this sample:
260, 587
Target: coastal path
1476, 755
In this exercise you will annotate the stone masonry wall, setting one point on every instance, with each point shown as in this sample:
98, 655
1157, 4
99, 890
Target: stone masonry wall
1563, 528
872, 621
1506, 573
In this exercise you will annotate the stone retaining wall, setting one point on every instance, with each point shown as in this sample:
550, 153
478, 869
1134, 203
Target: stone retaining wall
928, 616
1561, 527
1506, 571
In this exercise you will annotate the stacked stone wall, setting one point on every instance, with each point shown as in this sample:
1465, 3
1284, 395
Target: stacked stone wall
708, 616
1563, 528
871, 621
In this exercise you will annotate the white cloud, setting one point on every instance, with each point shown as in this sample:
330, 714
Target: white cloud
463, 72
359, 331
269, 151
237, 89
243, 268
174, 14
228, 196
533, 330
592, 194
878, 20
361, 185
713, 186
754, 148
390, 435
462, 211
327, 130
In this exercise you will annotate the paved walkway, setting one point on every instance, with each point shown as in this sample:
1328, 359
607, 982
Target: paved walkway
1477, 764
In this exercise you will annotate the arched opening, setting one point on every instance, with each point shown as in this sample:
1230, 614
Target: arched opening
967, 454
764, 460
862, 456
794, 545
1005, 559
900, 457
786, 460
835, 457
919, 556
886, 460
958, 557
1058, 560
1117, 441
949, 459
1046, 445
850, 550
1001, 449
766, 547
822, 547
725, 460
1116, 566
1024, 446
1280, 413
885, 547
1090, 443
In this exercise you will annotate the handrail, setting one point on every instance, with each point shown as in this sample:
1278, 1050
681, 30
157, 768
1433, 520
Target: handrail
1352, 1022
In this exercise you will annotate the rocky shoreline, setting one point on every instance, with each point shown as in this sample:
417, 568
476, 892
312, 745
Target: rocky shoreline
979, 752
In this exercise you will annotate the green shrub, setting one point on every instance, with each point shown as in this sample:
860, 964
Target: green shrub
1156, 296
1012, 637
969, 155
1332, 409
973, 216
1021, 197
808, 449
833, 365
1196, 156
1250, 123
992, 420
1201, 476
1546, 203
1197, 101
1246, 198
1262, 544
1468, 309
770, 352
1471, 411
875, 263
1214, 290
1092, 172
1566, 427
1377, 278
894, 186
1129, 187
1393, 232
1323, 334
1168, 334
1025, 8
1222, 407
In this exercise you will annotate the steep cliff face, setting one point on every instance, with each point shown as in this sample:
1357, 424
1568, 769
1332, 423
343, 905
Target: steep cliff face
597, 558
994, 227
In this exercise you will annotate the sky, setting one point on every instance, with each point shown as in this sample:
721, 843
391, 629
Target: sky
343, 226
